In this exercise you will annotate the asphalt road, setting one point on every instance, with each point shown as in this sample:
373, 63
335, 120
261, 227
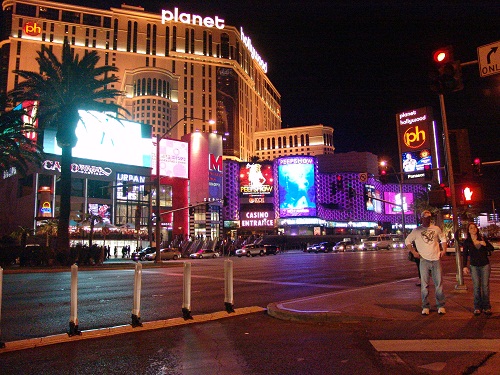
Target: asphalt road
38, 304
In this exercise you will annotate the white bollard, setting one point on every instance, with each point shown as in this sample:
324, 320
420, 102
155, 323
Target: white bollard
228, 285
73, 318
186, 292
2, 344
136, 310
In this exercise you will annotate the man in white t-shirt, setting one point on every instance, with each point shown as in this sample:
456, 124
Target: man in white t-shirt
428, 239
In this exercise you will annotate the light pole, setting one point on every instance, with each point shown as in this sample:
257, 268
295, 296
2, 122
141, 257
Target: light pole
399, 176
158, 184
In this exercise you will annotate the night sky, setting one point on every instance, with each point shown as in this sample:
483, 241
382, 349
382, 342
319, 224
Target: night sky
354, 64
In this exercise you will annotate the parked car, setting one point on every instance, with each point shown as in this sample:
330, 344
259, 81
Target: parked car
353, 246
204, 253
141, 254
165, 254
272, 249
251, 250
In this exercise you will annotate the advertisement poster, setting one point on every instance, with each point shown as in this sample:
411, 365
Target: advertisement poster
256, 181
395, 198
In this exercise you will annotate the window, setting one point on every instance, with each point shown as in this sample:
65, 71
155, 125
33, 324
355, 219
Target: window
224, 40
71, 17
91, 20
26, 10
49, 13
98, 189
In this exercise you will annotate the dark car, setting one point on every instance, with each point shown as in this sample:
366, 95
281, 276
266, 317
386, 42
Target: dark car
141, 254
272, 249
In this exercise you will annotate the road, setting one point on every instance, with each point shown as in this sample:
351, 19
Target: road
38, 304
254, 344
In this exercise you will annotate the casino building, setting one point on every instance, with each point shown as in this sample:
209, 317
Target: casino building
179, 71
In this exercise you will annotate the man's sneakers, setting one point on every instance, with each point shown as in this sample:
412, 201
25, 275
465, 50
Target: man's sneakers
488, 312
426, 311
477, 312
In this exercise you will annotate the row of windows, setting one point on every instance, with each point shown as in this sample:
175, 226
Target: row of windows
293, 141
154, 87
63, 15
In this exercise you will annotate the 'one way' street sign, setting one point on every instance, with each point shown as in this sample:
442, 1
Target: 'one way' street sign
489, 59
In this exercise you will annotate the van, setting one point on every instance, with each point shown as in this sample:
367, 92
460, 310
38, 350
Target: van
381, 241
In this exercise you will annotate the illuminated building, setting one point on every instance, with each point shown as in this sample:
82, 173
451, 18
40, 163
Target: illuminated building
171, 65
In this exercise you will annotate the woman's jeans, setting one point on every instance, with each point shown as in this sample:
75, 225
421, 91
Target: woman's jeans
427, 268
481, 280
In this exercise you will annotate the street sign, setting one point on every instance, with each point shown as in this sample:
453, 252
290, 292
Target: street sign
363, 177
489, 59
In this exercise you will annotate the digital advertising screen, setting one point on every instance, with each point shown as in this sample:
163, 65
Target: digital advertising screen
297, 190
394, 209
102, 210
256, 180
372, 196
414, 161
174, 158
105, 138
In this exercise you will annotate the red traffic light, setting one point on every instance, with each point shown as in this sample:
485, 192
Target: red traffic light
443, 55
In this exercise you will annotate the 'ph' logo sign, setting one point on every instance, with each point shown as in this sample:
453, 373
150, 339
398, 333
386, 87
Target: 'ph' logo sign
32, 29
414, 137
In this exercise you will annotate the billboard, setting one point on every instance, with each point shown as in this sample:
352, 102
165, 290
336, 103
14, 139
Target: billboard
102, 210
395, 209
372, 199
416, 141
174, 158
297, 190
257, 218
256, 181
105, 138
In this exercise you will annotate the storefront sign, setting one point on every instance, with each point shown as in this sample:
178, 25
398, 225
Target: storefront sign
54, 165
255, 55
257, 219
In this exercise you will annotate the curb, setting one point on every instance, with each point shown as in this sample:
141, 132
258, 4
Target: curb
118, 330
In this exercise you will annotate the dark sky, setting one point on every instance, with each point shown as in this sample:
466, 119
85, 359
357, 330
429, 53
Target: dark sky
354, 64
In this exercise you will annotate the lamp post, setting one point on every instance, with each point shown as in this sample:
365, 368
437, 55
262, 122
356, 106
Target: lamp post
158, 184
399, 176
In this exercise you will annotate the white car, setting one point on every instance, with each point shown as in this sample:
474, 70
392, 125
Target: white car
204, 253
251, 250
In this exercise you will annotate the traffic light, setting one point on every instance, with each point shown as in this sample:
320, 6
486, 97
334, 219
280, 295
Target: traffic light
470, 193
382, 174
428, 173
125, 188
333, 188
447, 76
340, 182
351, 192
477, 167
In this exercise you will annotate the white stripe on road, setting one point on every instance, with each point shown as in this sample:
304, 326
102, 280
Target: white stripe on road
461, 345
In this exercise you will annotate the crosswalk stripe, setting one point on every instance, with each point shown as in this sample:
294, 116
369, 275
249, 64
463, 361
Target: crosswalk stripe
445, 345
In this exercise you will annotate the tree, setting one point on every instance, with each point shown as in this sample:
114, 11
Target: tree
49, 229
16, 150
62, 88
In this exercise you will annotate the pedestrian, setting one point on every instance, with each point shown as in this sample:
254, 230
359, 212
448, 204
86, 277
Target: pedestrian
428, 239
478, 249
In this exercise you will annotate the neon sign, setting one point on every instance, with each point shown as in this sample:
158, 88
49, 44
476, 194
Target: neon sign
32, 29
191, 19
255, 55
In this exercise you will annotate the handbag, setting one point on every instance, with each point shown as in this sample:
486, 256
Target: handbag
411, 257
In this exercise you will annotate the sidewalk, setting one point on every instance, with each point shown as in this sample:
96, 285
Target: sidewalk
398, 300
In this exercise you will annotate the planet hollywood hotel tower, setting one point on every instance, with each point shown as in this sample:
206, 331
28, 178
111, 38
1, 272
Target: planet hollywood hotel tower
173, 65
177, 70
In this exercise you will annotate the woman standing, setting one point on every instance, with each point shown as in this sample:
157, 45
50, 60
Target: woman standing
478, 248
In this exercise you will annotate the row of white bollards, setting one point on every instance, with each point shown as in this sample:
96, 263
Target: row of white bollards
136, 309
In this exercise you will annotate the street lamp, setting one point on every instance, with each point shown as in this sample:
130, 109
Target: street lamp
158, 185
399, 176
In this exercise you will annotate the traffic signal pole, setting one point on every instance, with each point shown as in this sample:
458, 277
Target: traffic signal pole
451, 183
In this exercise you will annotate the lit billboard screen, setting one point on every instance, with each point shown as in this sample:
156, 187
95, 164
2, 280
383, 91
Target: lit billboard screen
108, 139
395, 198
102, 210
413, 162
297, 190
256, 179
174, 158
372, 199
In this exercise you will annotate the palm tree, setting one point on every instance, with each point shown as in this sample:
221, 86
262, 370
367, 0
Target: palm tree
62, 88
16, 150
49, 229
